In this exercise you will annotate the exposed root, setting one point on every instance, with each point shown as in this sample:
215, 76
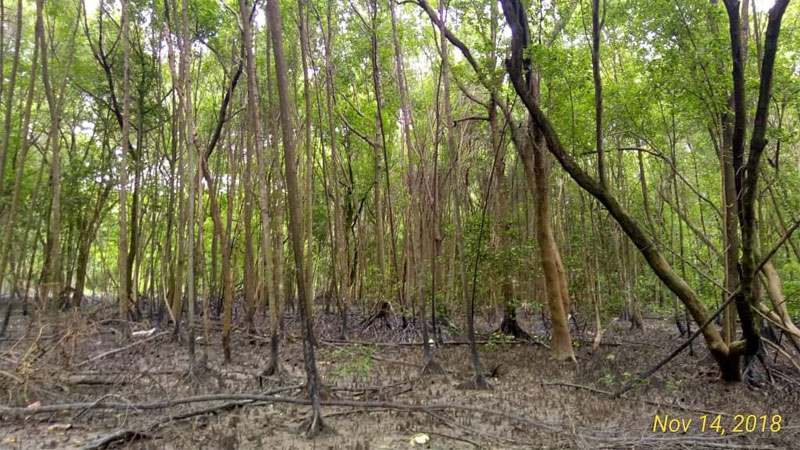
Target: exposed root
313, 426
195, 371
431, 367
475, 384
381, 311
199, 372
274, 372
274, 369
510, 327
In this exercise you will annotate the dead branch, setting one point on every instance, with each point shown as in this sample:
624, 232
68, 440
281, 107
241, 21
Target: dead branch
121, 349
783, 353
25, 412
557, 428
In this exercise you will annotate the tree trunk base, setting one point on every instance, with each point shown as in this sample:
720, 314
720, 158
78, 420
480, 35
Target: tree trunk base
564, 355
431, 367
730, 368
197, 371
475, 384
381, 311
510, 327
274, 369
313, 426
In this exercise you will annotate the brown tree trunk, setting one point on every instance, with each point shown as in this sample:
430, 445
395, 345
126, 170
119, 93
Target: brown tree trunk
561, 342
338, 244
122, 249
315, 424
7, 236
479, 380
10, 98
308, 191
51, 273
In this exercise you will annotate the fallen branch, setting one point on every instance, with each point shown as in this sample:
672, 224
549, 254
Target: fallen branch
783, 352
649, 372
445, 343
121, 435
146, 432
570, 430
121, 349
24, 412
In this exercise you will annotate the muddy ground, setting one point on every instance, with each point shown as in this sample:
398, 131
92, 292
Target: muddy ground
535, 402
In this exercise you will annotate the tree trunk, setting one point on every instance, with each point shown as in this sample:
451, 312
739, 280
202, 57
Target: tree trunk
456, 194
561, 342
315, 424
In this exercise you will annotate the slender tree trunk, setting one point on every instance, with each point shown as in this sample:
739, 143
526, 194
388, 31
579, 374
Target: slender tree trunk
122, 249
457, 195
315, 424
190, 140
308, 195
277, 275
561, 342
597, 25
8, 231
340, 251
52, 270
10, 99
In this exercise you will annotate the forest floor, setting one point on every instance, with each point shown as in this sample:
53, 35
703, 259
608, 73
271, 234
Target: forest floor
535, 402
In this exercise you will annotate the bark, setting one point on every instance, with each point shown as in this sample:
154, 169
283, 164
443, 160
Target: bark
250, 297
561, 342
192, 148
749, 192
598, 90
10, 100
340, 251
730, 231
308, 195
276, 300
176, 276
457, 195
407, 124
315, 424
7, 239
52, 268
122, 249
509, 324
593, 288
379, 143
221, 232
775, 292
517, 67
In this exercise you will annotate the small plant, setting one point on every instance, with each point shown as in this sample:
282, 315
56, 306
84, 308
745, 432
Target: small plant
674, 385
351, 360
608, 379
497, 340
626, 377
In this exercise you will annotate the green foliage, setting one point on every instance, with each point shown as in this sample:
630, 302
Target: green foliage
497, 341
351, 360
665, 67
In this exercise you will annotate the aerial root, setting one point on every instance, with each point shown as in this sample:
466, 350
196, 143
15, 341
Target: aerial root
510, 327
313, 426
432, 367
